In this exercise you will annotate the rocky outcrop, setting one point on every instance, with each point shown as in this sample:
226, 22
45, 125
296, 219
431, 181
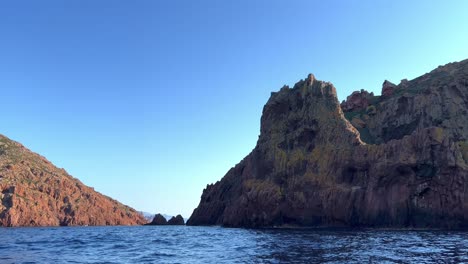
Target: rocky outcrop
33, 192
176, 220
388, 89
358, 100
402, 161
439, 98
158, 219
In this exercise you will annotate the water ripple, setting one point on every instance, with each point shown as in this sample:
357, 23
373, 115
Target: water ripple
180, 244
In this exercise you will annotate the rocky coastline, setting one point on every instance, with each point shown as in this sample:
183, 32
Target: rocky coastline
398, 160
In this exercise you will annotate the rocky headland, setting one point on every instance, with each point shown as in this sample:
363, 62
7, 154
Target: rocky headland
36, 193
395, 160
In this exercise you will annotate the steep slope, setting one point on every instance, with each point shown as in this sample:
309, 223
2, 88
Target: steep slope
36, 193
311, 168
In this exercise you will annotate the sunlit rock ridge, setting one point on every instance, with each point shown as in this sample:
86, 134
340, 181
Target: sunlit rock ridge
395, 160
36, 193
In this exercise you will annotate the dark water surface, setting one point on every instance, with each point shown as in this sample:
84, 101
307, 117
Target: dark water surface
180, 244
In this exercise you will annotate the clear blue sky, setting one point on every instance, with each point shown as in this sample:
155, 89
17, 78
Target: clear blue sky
149, 101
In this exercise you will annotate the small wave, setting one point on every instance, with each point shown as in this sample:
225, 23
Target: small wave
214, 244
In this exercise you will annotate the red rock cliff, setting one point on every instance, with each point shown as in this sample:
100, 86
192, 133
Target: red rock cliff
36, 193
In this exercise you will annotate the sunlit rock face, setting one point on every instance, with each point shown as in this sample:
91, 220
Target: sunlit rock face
36, 193
396, 160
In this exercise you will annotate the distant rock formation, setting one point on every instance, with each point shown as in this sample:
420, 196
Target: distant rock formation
176, 220
33, 192
158, 219
396, 160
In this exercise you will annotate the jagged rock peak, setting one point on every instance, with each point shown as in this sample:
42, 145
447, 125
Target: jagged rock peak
307, 104
310, 79
404, 83
388, 88
358, 100
311, 85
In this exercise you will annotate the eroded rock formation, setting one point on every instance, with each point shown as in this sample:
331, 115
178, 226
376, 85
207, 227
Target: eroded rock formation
396, 160
358, 100
36, 193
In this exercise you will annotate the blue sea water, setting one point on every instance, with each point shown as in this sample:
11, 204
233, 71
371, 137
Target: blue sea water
184, 244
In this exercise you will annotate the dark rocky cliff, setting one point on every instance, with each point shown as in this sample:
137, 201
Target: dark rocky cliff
400, 161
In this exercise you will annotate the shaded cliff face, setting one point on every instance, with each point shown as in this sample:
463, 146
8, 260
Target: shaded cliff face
36, 193
312, 167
